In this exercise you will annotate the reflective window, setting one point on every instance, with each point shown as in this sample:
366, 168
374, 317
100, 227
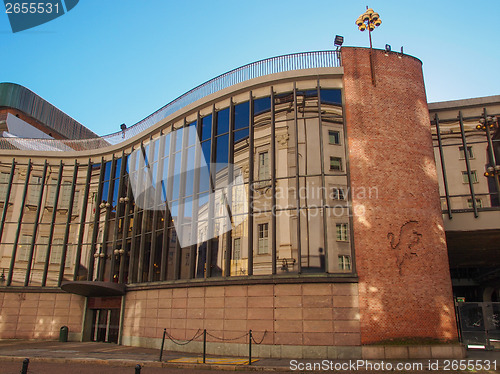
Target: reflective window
206, 127
264, 171
331, 97
4, 181
223, 121
342, 232
344, 262
333, 137
473, 176
469, 151
261, 105
336, 163
263, 244
241, 115
222, 152
135, 237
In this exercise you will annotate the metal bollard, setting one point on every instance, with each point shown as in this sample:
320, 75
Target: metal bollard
26, 362
162, 343
250, 347
204, 345
138, 369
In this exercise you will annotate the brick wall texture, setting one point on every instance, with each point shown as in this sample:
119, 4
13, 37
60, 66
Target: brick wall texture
39, 315
399, 240
321, 314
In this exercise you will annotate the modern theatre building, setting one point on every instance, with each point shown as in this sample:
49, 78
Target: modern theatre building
297, 197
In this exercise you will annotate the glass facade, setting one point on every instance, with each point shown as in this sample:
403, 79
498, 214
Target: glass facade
169, 208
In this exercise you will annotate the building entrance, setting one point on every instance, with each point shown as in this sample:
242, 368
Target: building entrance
105, 318
105, 325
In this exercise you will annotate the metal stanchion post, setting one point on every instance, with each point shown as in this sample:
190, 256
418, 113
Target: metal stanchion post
204, 345
163, 343
250, 347
26, 362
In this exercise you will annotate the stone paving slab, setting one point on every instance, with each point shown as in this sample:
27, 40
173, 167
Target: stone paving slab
92, 353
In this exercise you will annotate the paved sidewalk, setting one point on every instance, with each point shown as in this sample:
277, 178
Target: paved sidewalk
92, 353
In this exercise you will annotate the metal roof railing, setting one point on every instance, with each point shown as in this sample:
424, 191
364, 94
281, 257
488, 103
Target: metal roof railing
278, 64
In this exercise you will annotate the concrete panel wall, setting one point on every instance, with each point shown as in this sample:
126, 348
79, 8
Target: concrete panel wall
27, 315
289, 314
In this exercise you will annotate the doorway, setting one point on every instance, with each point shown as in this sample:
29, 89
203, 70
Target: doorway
105, 314
105, 325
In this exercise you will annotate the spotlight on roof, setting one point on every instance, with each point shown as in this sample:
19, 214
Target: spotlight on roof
387, 47
339, 40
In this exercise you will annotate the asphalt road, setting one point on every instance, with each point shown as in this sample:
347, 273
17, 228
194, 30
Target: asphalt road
55, 368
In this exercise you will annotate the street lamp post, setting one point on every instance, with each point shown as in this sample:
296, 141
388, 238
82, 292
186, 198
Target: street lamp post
489, 123
369, 20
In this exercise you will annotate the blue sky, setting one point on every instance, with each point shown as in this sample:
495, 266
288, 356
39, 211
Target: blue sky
108, 62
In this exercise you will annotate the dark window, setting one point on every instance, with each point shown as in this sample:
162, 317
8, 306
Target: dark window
241, 115
308, 93
479, 203
469, 151
338, 193
206, 127
336, 163
222, 151
333, 137
342, 231
473, 176
205, 146
240, 135
332, 96
261, 105
344, 263
223, 121
237, 249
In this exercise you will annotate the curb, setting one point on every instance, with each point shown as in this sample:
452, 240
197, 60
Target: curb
132, 363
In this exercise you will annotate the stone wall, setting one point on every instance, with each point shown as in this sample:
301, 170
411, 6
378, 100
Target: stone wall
300, 320
31, 315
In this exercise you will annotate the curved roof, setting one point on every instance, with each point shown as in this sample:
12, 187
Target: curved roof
19, 97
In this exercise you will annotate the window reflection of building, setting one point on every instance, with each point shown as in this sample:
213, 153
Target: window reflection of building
282, 219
